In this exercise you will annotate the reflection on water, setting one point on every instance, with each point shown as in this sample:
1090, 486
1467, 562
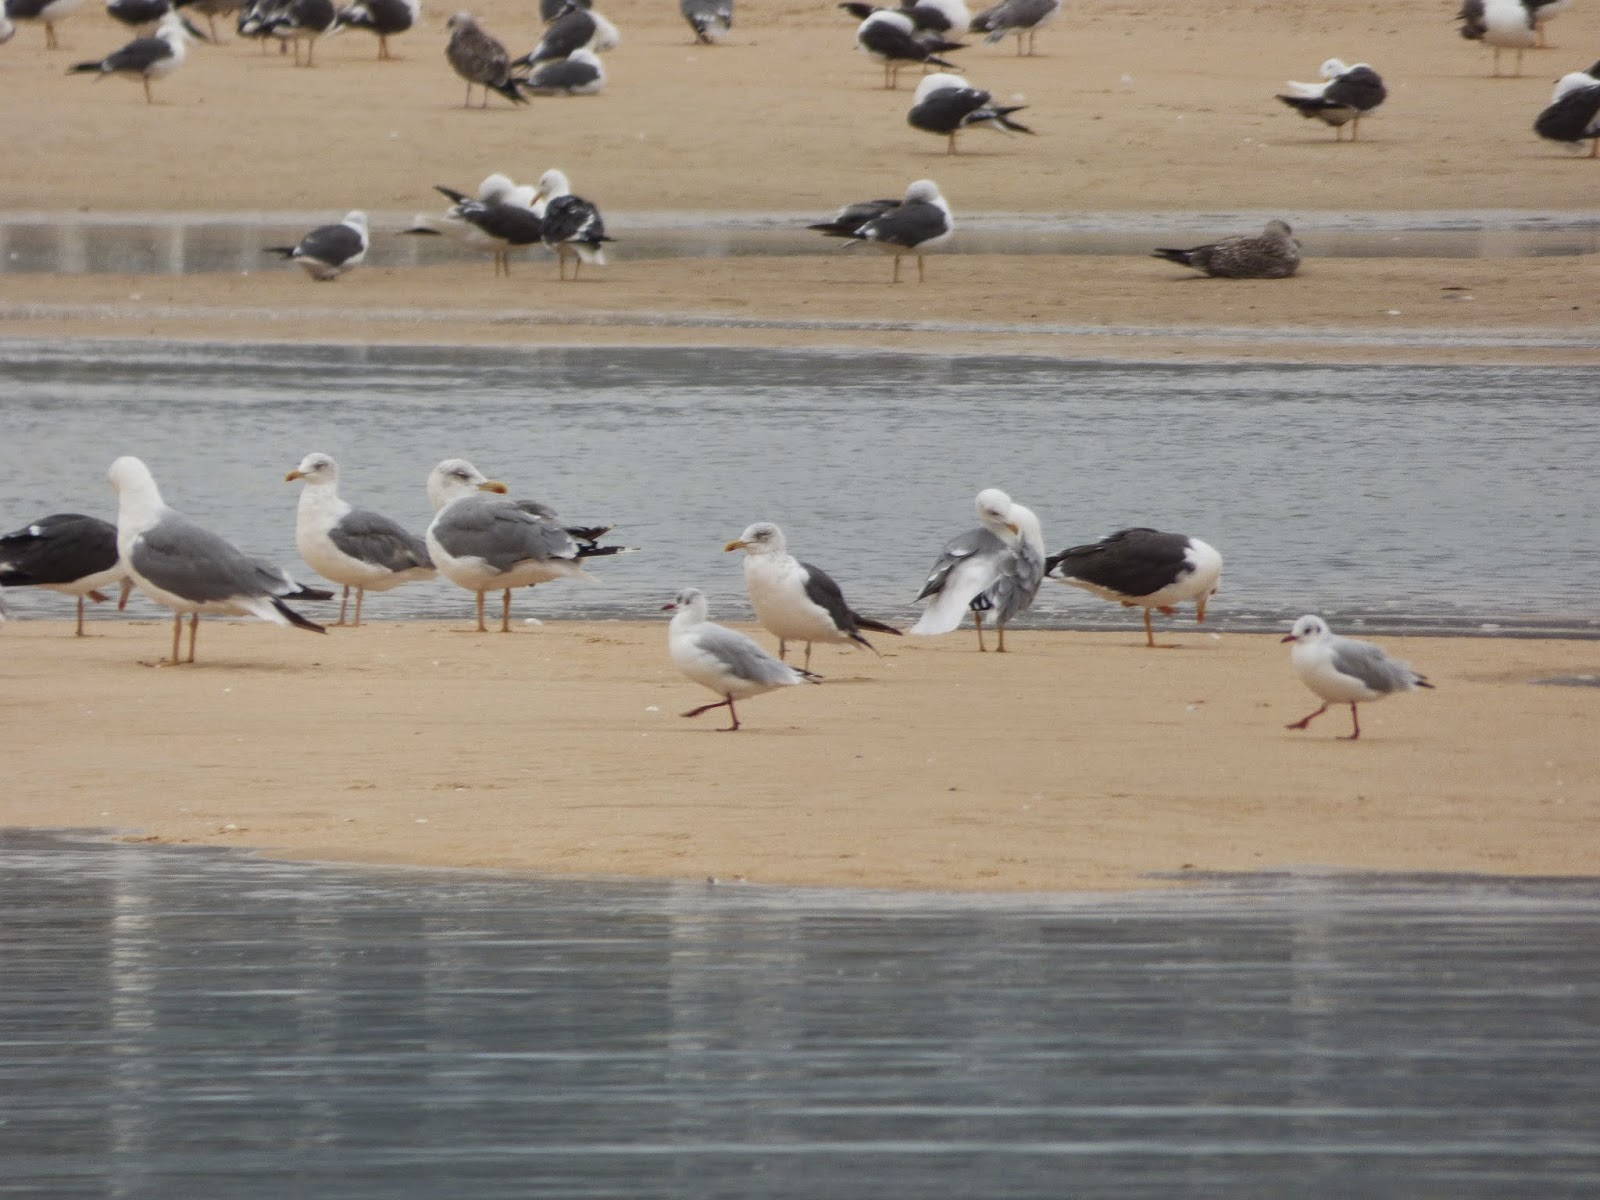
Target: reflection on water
193, 1023
1403, 497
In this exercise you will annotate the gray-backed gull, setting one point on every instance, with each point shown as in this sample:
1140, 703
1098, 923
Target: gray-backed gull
328, 251
913, 226
1271, 254
996, 568
1024, 18
1344, 670
1142, 568
723, 659
146, 58
1346, 95
710, 19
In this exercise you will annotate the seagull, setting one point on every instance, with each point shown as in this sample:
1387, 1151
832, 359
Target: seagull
1022, 17
892, 38
945, 104
502, 224
572, 226
575, 29
795, 601
299, 20
723, 659
382, 17
47, 12
211, 10
1502, 24
67, 553
1142, 568
187, 568
145, 15
146, 58
7, 32
355, 547
495, 189
1271, 254
913, 225
1343, 670
1573, 114
480, 58
1543, 11
1347, 95
849, 219
997, 567
328, 251
579, 74
710, 19
491, 543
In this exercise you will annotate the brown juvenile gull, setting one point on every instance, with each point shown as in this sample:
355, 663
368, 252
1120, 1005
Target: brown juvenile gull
1346, 95
480, 58
1271, 254
1022, 17
1344, 670
1142, 568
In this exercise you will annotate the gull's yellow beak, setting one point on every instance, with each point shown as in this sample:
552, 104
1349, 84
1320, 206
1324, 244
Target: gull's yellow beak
1014, 527
293, 475
734, 545
493, 485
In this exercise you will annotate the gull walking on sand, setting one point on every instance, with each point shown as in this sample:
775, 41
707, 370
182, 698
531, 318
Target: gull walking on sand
1343, 670
187, 568
68, 553
795, 601
352, 546
1142, 568
722, 659
995, 568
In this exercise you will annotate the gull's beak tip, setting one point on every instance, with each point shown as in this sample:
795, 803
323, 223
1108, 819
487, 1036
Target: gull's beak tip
493, 485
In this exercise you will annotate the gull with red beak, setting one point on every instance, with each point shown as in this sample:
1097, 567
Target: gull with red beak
1343, 670
723, 659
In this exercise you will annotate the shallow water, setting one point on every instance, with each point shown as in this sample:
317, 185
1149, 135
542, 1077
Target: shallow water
1385, 497
182, 1023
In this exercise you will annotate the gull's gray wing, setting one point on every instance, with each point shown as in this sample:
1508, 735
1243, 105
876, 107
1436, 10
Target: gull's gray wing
741, 656
957, 550
374, 538
331, 244
500, 533
822, 591
1021, 572
1368, 663
190, 561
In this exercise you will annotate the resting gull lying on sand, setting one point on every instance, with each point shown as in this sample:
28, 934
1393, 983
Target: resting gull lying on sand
1271, 254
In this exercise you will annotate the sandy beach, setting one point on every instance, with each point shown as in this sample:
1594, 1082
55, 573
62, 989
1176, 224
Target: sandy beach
1076, 761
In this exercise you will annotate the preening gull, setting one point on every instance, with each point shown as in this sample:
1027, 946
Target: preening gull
354, 547
849, 219
1343, 670
1271, 254
722, 659
480, 58
328, 251
489, 542
187, 568
1573, 115
893, 39
795, 601
46, 12
1346, 95
1502, 24
710, 19
579, 74
67, 553
1022, 17
146, 58
575, 29
1142, 568
503, 225
386, 18
303, 21
946, 104
995, 568
572, 226
912, 226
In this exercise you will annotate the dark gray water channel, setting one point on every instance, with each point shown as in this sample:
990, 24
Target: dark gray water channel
195, 1023
1452, 498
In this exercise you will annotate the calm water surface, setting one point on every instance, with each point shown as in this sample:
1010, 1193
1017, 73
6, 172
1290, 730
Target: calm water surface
1394, 497
194, 1023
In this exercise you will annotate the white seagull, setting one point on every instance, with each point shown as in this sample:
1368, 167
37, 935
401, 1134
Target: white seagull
795, 601
1345, 96
328, 251
946, 104
722, 659
573, 227
187, 568
995, 568
911, 226
69, 553
1142, 568
1343, 670
146, 58
1502, 24
354, 547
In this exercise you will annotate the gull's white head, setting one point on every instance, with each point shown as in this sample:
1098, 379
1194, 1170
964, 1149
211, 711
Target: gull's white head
356, 219
456, 477
689, 605
761, 538
1309, 629
462, 20
136, 489
924, 191
1575, 80
937, 82
994, 510
1332, 69
587, 57
315, 467
553, 183
495, 188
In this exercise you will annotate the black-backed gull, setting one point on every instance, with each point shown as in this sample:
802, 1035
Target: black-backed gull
503, 224
573, 227
328, 251
946, 104
893, 39
1573, 114
146, 58
579, 74
385, 18
69, 553
46, 12
1142, 568
1346, 95
913, 226
1501, 24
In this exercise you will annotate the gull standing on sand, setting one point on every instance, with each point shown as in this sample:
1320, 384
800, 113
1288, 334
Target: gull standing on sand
946, 104
995, 568
892, 38
1502, 24
503, 225
146, 58
385, 18
579, 74
1345, 96
1343, 670
722, 659
911, 226
1573, 114
1022, 17
187, 568
1142, 568
46, 12
68, 553
795, 601
1271, 254
577, 28
480, 58
573, 227
328, 251
354, 547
